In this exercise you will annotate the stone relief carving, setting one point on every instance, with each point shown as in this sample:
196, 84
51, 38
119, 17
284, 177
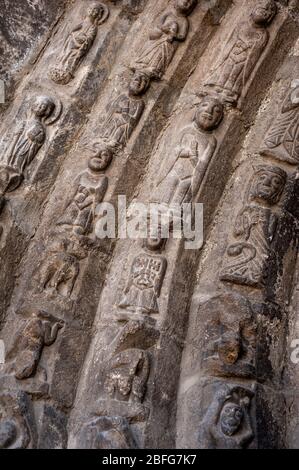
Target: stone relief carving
227, 423
40, 330
128, 374
78, 44
124, 375
26, 142
242, 53
282, 139
71, 238
182, 176
89, 191
229, 336
255, 228
158, 51
145, 279
105, 432
124, 113
15, 421
61, 267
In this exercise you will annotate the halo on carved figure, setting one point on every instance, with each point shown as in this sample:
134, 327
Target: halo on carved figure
53, 114
185, 8
268, 4
105, 14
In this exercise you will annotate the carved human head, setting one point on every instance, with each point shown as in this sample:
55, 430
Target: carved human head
231, 417
268, 184
155, 241
101, 159
229, 347
139, 83
264, 12
43, 106
95, 11
209, 113
185, 7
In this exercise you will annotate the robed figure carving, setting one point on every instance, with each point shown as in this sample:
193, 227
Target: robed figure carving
242, 53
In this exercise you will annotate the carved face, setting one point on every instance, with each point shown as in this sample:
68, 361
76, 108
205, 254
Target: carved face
231, 418
185, 6
101, 160
209, 114
268, 185
229, 348
155, 244
95, 12
264, 12
138, 84
8, 433
43, 107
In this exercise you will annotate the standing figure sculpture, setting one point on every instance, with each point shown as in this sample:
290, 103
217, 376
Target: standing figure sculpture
181, 179
145, 280
282, 139
78, 44
26, 142
158, 51
124, 113
242, 53
255, 228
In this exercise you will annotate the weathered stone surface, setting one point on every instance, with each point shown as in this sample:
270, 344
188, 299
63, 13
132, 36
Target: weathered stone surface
153, 343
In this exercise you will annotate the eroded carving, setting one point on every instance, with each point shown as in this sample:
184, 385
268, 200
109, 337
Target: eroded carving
78, 44
229, 336
282, 139
242, 53
227, 423
71, 244
124, 113
255, 228
145, 280
26, 142
79, 213
128, 375
61, 267
105, 432
40, 330
15, 421
158, 51
181, 179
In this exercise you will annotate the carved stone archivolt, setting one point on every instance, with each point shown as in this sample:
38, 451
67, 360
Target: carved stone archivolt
282, 139
241, 54
255, 226
78, 44
132, 396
